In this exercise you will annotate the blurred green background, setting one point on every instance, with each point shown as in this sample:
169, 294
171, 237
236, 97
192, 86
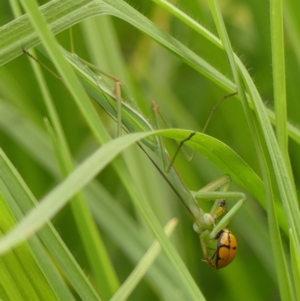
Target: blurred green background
186, 99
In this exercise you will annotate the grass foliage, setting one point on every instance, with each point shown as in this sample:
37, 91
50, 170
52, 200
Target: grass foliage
82, 211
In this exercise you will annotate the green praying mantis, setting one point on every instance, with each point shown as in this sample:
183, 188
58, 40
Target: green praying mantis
213, 224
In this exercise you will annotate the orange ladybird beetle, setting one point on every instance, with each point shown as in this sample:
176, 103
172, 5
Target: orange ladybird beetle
226, 250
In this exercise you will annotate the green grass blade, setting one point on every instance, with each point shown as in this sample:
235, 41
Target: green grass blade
142, 267
279, 81
20, 200
295, 264
28, 279
58, 198
100, 263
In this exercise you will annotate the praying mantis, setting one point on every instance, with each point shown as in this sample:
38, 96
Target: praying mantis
213, 224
